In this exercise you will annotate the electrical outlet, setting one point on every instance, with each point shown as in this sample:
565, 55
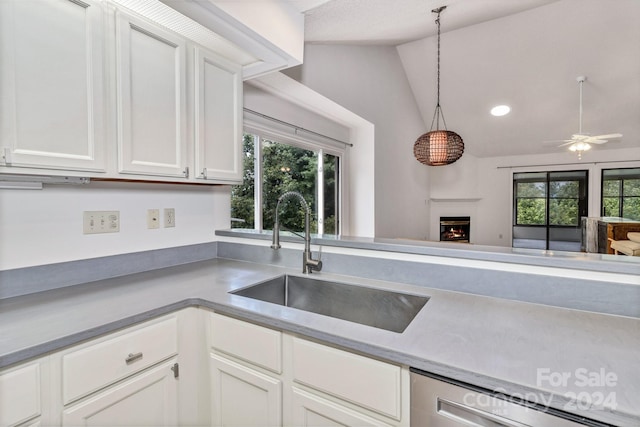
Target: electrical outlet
98, 222
153, 218
169, 217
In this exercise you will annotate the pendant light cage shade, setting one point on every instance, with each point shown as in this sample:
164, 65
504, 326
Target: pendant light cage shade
438, 148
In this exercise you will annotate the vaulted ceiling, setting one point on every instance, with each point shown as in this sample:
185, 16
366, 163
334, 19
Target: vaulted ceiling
524, 53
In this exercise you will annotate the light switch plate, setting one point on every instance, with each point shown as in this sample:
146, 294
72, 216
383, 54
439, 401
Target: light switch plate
98, 222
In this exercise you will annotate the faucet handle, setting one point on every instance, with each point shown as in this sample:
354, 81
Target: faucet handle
315, 264
310, 264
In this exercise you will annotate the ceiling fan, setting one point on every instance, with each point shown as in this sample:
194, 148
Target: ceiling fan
581, 141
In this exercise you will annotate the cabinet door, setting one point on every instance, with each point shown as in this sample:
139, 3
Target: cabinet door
146, 399
20, 392
151, 99
218, 118
310, 410
243, 397
52, 82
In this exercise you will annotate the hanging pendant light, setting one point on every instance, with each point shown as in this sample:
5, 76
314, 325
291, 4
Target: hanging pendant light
438, 147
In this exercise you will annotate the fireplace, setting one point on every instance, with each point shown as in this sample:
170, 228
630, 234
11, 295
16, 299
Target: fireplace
455, 228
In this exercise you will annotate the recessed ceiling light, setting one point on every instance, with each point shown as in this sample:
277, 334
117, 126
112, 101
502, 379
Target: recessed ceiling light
500, 110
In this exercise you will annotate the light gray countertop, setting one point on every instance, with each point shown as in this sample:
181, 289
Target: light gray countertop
508, 346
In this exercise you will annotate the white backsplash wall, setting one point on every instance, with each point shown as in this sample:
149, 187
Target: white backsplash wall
40, 227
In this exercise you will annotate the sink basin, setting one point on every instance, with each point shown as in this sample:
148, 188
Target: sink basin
388, 310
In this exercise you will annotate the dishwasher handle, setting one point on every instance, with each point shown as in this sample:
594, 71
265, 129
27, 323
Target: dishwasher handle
473, 416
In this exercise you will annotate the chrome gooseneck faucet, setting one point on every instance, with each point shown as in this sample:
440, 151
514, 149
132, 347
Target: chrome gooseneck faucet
308, 263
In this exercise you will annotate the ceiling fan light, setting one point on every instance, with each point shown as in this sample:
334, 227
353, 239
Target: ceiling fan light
580, 146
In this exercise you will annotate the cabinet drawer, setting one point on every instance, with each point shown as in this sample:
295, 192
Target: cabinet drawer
366, 382
91, 368
256, 344
19, 394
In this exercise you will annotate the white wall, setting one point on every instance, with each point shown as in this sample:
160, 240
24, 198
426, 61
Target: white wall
530, 61
376, 83
277, 107
45, 226
358, 198
482, 187
370, 81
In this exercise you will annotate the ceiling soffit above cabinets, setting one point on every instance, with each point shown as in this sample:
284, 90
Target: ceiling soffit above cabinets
229, 34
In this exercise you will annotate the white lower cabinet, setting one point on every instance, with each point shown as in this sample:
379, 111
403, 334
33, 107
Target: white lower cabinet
310, 410
368, 383
244, 368
235, 373
126, 378
146, 399
242, 396
261, 376
21, 395
89, 368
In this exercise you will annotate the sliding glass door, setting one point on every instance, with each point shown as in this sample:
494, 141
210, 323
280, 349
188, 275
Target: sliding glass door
547, 208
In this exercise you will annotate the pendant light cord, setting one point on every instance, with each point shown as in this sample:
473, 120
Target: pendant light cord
438, 113
438, 23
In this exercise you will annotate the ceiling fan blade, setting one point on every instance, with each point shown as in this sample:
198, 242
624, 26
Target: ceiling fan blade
597, 141
567, 143
555, 141
609, 136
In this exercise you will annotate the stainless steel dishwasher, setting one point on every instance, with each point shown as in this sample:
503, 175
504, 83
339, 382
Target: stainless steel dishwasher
439, 402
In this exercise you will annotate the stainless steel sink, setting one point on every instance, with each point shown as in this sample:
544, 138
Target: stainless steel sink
388, 310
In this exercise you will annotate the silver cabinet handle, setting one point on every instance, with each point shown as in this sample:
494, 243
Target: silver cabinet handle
133, 357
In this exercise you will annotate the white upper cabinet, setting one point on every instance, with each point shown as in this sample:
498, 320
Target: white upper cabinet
52, 85
130, 89
218, 118
151, 85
